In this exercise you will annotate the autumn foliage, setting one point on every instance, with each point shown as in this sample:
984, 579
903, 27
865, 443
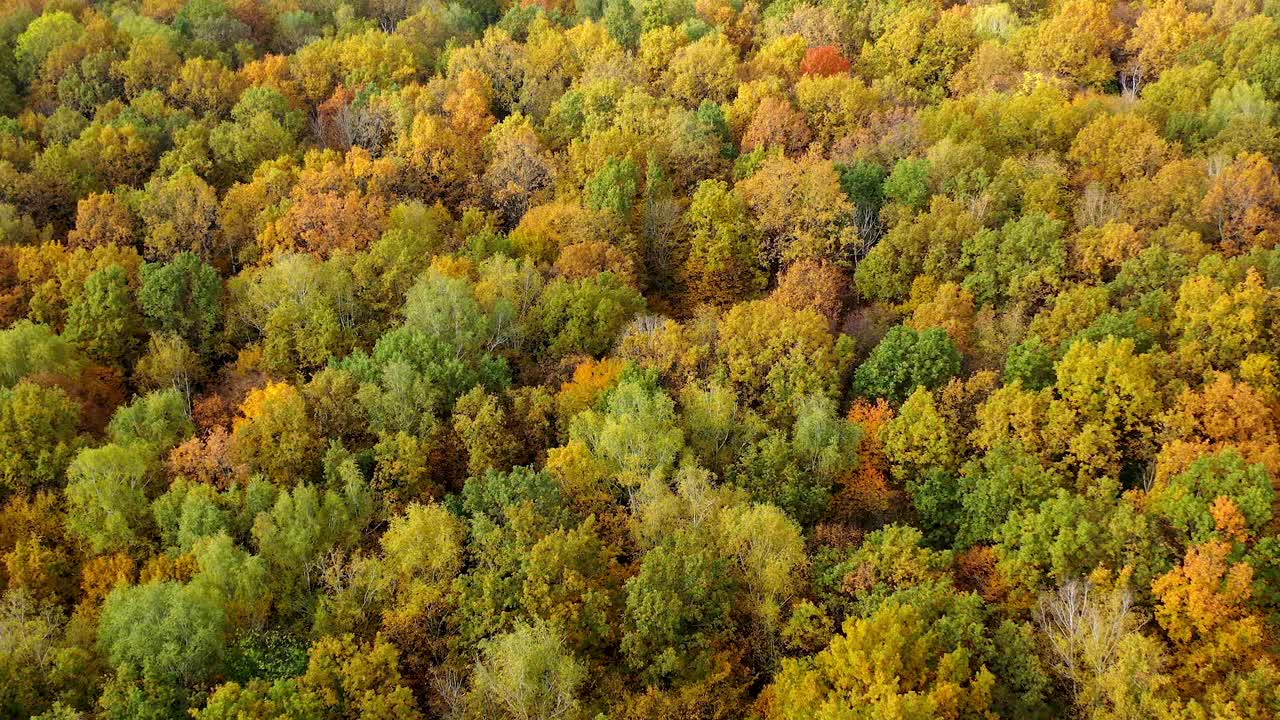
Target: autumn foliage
640, 359
824, 60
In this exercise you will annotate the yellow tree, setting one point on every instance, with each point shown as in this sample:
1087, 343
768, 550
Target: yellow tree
724, 263
1218, 326
1163, 32
1221, 413
893, 664
1114, 149
1204, 608
1100, 251
438, 162
775, 355
273, 434
103, 219
703, 70
1099, 414
1076, 42
206, 86
918, 439
951, 308
920, 50
802, 210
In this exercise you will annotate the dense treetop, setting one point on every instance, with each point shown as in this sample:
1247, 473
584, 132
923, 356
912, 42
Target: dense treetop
639, 359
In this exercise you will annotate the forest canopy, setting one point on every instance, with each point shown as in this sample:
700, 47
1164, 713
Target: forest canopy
639, 359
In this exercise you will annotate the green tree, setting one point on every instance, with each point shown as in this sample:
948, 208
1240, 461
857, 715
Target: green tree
584, 316
724, 264
1193, 502
103, 320
27, 347
173, 634
299, 531
183, 297
189, 512
527, 674
259, 698
302, 309
262, 127
169, 363
1069, 536
799, 471
1002, 481
621, 21
930, 243
42, 37
573, 582
225, 571
678, 610
716, 425
28, 662
1026, 260
107, 498
1031, 362
481, 423
38, 436
445, 308
508, 514
905, 360
613, 187
411, 380
909, 183
415, 233
180, 212
153, 423
635, 431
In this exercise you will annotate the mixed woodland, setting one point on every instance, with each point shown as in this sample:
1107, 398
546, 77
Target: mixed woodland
639, 359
